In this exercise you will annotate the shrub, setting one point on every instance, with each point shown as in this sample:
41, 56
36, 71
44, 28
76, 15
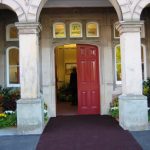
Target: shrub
45, 113
146, 90
8, 119
114, 108
146, 87
8, 98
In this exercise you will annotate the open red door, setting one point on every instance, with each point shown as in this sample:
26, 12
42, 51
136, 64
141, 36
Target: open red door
88, 79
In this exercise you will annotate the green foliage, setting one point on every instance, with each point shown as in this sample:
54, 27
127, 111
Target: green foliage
8, 120
146, 87
114, 108
114, 113
146, 90
8, 98
45, 113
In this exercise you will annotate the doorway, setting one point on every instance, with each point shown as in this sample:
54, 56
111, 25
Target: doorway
84, 58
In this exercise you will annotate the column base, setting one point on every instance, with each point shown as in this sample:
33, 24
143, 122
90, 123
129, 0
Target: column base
30, 118
133, 112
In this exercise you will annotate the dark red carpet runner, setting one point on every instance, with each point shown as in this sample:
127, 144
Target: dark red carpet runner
86, 133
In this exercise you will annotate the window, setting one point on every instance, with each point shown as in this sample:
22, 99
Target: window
13, 77
11, 33
118, 64
59, 30
118, 75
75, 30
92, 29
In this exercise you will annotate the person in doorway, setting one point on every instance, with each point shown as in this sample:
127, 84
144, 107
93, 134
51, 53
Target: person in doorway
73, 86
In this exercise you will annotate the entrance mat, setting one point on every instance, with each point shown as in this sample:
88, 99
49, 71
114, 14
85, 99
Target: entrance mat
86, 133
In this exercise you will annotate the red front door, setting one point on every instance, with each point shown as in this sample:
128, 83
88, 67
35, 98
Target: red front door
88, 79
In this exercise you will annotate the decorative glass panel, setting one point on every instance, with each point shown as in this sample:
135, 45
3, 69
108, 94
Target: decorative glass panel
13, 57
59, 30
119, 76
14, 74
92, 29
75, 29
118, 64
13, 61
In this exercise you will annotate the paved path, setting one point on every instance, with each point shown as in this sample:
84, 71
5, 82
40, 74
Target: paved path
15, 142
29, 142
143, 138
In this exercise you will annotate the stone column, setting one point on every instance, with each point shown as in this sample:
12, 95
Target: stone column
30, 106
133, 113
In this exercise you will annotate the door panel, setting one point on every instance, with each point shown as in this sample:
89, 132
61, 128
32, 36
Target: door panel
88, 79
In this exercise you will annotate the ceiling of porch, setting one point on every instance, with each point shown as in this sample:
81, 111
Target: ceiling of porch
77, 3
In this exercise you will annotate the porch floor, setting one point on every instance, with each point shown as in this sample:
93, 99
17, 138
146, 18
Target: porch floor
66, 109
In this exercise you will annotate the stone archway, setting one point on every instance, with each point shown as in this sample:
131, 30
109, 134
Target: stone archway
40, 3
16, 7
139, 8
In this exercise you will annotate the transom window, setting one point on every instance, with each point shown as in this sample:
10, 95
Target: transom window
59, 30
118, 69
92, 29
13, 77
75, 29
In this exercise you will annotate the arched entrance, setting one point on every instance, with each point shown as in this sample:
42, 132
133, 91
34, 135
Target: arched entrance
85, 59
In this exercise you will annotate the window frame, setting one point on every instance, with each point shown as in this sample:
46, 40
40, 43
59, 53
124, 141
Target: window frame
97, 25
70, 25
7, 67
8, 27
54, 27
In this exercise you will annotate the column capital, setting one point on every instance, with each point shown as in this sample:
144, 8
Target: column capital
129, 26
28, 28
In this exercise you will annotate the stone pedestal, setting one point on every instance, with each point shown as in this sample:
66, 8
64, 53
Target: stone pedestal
133, 112
30, 116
